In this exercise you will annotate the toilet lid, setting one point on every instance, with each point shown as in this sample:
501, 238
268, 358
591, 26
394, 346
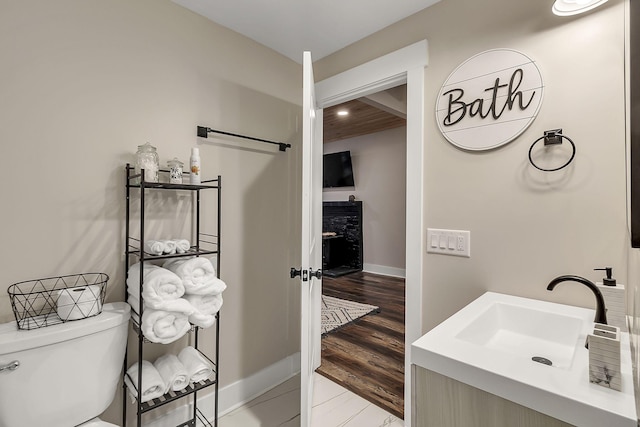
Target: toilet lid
97, 422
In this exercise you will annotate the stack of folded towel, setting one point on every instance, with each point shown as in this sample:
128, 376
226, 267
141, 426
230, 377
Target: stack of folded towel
168, 373
167, 247
165, 316
185, 291
202, 288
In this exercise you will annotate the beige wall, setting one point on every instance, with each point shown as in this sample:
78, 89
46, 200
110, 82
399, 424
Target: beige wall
380, 168
526, 226
84, 82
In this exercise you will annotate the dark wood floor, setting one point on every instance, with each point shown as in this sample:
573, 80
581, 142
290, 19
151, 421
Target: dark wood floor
367, 357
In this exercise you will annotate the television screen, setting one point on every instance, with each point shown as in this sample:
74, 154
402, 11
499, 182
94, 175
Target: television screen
337, 170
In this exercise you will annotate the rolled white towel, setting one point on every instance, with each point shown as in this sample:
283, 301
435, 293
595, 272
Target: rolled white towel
172, 372
154, 247
198, 275
205, 308
169, 247
182, 245
79, 302
205, 304
179, 305
164, 327
202, 320
152, 383
160, 284
198, 368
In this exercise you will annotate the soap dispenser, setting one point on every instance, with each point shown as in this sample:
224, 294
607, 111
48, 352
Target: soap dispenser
614, 299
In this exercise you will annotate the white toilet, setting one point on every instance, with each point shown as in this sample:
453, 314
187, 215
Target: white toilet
67, 373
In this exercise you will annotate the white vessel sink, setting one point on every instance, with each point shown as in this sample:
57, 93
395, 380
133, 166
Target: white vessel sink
491, 345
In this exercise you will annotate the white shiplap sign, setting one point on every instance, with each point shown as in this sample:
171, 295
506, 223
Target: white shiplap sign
489, 100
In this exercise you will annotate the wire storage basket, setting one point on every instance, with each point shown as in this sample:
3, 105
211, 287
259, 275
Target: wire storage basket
45, 302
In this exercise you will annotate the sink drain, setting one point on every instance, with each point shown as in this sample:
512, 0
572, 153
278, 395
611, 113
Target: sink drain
542, 360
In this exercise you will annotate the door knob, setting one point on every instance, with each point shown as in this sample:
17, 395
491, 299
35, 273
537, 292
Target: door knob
317, 274
295, 272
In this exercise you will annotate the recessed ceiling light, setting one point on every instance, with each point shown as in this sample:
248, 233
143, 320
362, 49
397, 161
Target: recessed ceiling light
343, 113
574, 7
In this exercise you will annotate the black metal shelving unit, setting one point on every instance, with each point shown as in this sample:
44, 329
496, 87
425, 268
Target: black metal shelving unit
205, 244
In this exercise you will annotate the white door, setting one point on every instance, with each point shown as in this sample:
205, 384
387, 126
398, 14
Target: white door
310, 280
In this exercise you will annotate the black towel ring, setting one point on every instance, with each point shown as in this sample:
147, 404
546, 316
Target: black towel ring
553, 137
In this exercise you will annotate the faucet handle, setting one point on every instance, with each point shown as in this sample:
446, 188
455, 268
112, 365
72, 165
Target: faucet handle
609, 280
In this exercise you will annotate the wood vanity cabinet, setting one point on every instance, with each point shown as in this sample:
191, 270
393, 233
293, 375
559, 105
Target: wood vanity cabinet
440, 401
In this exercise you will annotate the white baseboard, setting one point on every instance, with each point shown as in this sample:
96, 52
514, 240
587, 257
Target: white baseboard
235, 395
384, 270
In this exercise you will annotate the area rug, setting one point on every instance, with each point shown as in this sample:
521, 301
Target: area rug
337, 313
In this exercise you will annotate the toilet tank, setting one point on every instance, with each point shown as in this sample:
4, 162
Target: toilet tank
68, 373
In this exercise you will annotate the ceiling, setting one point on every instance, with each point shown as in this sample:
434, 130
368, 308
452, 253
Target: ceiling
292, 26
370, 114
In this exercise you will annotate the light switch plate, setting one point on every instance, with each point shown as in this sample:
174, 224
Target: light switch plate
462, 239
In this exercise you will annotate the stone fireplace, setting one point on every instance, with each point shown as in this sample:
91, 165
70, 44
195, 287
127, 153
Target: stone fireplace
342, 238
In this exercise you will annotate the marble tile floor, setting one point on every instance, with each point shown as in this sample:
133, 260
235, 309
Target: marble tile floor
334, 406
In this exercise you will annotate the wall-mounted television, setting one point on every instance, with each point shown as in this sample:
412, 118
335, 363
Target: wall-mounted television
337, 170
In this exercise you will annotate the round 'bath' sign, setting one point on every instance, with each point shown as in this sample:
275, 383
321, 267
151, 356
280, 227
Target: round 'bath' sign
489, 100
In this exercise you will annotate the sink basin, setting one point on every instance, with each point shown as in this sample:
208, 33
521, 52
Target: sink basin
526, 333
495, 343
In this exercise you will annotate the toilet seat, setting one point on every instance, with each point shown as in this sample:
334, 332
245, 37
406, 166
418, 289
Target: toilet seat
97, 422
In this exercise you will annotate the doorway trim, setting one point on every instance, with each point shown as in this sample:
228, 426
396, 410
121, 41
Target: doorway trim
402, 66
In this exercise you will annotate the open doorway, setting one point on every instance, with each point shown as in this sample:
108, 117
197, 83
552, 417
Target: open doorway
406, 65
364, 228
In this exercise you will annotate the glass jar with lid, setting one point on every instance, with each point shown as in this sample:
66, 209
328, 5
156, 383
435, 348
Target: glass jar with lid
147, 159
175, 171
